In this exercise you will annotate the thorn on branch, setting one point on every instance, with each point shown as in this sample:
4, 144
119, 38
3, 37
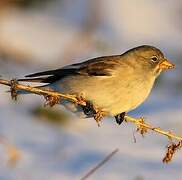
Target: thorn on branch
171, 149
13, 89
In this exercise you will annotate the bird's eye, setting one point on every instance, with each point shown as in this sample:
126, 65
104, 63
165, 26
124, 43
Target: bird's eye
154, 59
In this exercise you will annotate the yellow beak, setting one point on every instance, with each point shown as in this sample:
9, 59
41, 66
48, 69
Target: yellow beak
166, 65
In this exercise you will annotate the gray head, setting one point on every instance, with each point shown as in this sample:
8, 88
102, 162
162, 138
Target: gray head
148, 58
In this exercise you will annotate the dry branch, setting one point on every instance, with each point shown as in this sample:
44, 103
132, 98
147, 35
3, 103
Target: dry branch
106, 159
142, 126
53, 97
46, 93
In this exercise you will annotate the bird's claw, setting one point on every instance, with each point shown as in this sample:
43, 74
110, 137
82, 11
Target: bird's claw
92, 111
120, 118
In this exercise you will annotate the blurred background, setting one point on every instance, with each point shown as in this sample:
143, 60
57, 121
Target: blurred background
37, 35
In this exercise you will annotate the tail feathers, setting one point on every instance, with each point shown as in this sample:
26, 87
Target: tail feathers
48, 79
44, 73
39, 80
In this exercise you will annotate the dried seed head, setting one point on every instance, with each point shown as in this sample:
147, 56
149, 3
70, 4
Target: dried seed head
171, 149
51, 100
141, 129
13, 89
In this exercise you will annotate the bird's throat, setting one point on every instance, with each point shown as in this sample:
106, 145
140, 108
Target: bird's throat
157, 71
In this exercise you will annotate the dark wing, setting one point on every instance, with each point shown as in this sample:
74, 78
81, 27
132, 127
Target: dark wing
48, 76
102, 66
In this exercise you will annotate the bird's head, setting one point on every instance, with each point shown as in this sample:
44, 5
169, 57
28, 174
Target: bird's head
150, 59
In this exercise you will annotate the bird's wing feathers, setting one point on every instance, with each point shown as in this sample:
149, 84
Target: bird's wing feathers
102, 66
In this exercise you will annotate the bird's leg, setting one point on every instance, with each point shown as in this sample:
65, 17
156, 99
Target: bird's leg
120, 118
88, 109
91, 110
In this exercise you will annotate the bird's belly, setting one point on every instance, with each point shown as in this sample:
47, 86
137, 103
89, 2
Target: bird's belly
121, 98
127, 99
126, 103
109, 95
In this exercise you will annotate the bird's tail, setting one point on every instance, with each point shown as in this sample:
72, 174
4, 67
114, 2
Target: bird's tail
32, 80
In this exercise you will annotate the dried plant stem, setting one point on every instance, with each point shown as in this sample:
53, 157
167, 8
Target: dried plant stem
143, 127
141, 123
106, 159
39, 91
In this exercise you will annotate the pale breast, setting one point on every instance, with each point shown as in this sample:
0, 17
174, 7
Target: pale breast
132, 96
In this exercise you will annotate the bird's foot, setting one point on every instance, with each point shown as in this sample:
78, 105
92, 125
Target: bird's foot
120, 118
92, 111
89, 109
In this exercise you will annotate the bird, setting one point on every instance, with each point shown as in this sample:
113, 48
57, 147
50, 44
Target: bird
114, 84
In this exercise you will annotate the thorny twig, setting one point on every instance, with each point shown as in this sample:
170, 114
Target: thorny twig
53, 97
